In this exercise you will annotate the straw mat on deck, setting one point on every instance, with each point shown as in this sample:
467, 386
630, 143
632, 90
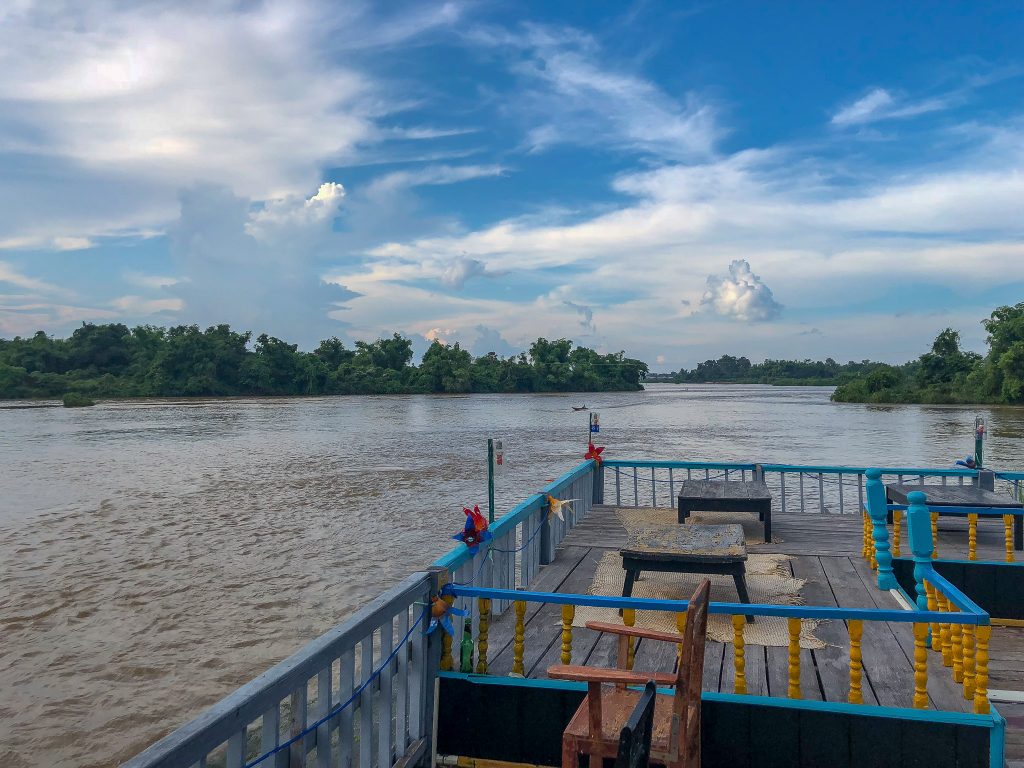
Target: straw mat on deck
635, 517
768, 581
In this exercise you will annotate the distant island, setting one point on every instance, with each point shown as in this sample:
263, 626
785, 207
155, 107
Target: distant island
947, 374
739, 370
112, 360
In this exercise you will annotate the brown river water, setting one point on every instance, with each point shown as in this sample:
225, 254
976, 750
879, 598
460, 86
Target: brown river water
155, 555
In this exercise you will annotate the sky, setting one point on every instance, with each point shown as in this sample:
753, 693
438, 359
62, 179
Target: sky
676, 180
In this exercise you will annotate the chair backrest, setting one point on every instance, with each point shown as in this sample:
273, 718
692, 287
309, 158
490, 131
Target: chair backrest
635, 737
690, 679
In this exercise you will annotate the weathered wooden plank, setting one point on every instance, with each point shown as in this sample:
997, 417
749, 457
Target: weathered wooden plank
346, 686
366, 705
385, 725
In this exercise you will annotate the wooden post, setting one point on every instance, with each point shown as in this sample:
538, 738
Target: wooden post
945, 638
957, 638
547, 550
865, 537
447, 663
935, 535
568, 614
933, 605
897, 520
490, 479
981, 705
970, 671
972, 536
794, 657
484, 609
1008, 536
880, 533
856, 632
681, 629
739, 656
920, 666
598, 494
629, 619
519, 645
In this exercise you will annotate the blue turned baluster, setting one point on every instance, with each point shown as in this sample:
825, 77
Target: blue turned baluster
877, 511
919, 529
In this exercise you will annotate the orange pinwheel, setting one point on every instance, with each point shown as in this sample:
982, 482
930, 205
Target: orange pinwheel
594, 452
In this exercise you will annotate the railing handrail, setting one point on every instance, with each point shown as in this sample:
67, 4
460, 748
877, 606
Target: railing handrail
193, 740
661, 464
971, 613
522, 511
953, 594
952, 510
823, 468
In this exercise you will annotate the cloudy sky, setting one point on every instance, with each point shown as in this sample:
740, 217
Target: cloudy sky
676, 180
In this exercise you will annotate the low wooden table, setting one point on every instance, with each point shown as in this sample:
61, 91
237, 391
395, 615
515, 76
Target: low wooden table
727, 496
718, 549
960, 496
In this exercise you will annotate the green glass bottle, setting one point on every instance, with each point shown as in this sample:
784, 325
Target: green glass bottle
466, 648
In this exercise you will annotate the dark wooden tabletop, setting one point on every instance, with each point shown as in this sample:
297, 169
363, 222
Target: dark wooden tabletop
687, 543
950, 496
724, 489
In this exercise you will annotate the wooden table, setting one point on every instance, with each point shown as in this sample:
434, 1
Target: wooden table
959, 496
718, 549
727, 496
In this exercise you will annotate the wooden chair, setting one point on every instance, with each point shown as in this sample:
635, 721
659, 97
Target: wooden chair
596, 727
635, 737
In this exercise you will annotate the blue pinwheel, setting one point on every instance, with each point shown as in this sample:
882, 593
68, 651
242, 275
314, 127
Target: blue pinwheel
475, 532
441, 615
967, 461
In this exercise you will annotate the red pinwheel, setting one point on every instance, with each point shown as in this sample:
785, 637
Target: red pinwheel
594, 452
475, 531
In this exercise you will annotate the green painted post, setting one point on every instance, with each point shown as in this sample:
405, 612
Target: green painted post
490, 479
878, 512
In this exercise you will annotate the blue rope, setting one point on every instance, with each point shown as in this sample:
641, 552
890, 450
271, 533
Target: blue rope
523, 546
337, 710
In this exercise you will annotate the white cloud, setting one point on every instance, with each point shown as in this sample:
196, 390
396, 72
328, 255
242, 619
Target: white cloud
431, 175
115, 106
461, 269
660, 359
10, 274
153, 282
880, 104
741, 295
139, 306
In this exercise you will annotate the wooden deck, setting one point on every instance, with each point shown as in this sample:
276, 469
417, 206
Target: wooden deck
825, 551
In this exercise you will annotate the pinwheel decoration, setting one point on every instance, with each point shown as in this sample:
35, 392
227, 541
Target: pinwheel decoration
441, 615
966, 461
555, 506
475, 531
594, 452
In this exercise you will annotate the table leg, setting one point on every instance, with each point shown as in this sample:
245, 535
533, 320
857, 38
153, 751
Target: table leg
767, 518
1018, 532
684, 511
627, 587
740, 577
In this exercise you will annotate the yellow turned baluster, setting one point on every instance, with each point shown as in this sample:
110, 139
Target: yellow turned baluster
568, 614
935, 535
972, 536
944, 635
484, 607
739, 655
794, 658
447, 664
933, 605
518, 644
970, 672
957, 635
681, 629
1008, 535
920, 667
856, 632
982, 635
629, 619
866, 541
897, 518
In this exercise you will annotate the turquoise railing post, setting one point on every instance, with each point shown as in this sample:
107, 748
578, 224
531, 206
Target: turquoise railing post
877, 511
919, 531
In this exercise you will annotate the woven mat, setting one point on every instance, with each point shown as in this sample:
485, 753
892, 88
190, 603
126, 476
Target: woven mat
768, 581
753, 530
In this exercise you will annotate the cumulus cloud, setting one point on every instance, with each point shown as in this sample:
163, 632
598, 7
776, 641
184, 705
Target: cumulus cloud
741, 295
586, 314
490, 340
139, 306
462, 268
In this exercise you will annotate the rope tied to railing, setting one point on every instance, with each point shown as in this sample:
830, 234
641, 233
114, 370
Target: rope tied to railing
341, 707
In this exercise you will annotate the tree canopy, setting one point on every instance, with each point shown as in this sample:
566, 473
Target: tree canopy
112, 360
947, 374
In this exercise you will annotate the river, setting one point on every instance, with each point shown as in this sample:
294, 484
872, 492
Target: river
156, 554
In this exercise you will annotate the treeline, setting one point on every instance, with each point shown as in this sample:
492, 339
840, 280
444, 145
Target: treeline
947, 374
739, 370
111, 360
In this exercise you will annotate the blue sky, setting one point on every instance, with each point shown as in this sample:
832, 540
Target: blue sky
678, 180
